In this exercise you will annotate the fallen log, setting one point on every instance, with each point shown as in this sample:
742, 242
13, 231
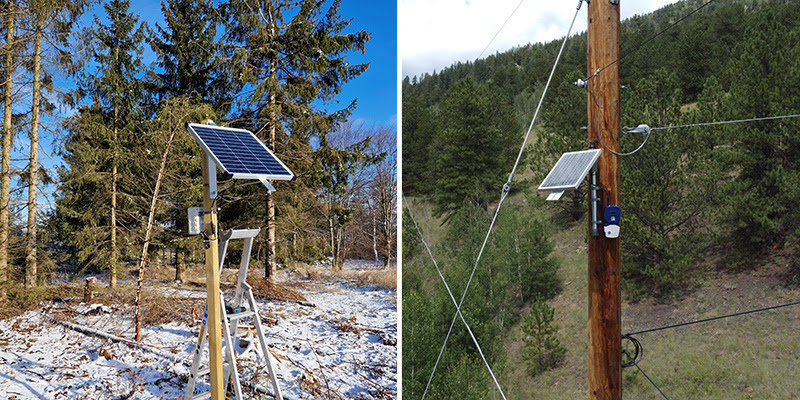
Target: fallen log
94, 332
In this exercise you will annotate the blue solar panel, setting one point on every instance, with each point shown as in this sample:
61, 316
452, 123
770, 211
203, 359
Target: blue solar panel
239, 152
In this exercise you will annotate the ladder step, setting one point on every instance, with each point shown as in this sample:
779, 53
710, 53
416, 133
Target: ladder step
207, 370
201, 396
241, 315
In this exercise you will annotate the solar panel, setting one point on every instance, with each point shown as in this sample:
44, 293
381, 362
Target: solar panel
239, 152
569, 171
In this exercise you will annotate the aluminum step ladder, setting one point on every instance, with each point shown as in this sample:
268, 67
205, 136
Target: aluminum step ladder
243, 291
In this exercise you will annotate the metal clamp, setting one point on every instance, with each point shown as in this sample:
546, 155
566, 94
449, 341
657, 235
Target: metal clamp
595, 199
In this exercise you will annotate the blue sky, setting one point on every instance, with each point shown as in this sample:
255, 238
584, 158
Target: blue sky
376, 89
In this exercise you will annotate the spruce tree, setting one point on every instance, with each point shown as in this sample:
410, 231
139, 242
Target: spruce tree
189, 54
340, 166
96, 147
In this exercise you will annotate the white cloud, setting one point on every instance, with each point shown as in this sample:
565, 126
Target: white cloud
437, 33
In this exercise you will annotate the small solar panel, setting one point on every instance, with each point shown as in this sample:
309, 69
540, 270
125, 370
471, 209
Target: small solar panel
569, 171
239, 153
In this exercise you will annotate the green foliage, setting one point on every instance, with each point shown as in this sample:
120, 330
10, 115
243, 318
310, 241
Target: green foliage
290, 60
668, 186
100, 144
411, 241
338, 167
761, 201
543, 350
516, 266
188, 52
476, 125
522, 256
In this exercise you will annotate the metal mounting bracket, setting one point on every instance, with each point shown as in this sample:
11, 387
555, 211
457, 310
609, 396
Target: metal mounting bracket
595, 200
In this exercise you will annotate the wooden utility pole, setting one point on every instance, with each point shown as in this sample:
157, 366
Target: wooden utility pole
212, 277
605, 348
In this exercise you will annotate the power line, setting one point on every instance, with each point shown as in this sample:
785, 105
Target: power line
501, 28
736, 121
541, 99
506, 189
503, 195
633, 360
624, 130
640, 45
757, 310
458, 313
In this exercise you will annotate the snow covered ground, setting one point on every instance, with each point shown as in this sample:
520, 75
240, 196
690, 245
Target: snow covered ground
343, 348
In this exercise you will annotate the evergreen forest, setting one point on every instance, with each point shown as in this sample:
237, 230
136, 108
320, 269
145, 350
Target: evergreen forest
122, 168
698, 203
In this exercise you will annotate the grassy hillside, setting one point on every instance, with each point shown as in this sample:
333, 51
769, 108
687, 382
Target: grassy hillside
749, 357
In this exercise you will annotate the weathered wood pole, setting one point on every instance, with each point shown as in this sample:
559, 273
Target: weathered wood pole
605, 352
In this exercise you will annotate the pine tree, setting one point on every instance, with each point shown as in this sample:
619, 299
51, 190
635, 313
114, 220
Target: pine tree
761, 201
669, 185
543, 350
291, 66
10, 14
52, 22
473, 145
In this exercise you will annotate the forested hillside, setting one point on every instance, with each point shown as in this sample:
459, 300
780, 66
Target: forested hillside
695, 200
115, 124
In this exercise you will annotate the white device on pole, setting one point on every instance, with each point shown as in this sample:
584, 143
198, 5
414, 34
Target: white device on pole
195, 220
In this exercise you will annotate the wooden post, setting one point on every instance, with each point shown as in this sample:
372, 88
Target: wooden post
212, 277
605, 352
88, 291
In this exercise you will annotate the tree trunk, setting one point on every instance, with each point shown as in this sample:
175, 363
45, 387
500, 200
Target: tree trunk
333, 242
112, 273
5, 170
269, 271
33, 169
180, 262
374, 236
269, 268
150, 218
113, 259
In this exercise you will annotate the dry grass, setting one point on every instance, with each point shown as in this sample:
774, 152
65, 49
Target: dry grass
741, 358
21, 300
156, 310
750, 357
371, 276
272, 290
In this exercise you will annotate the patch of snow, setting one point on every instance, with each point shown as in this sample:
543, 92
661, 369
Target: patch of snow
345, 345
95, 309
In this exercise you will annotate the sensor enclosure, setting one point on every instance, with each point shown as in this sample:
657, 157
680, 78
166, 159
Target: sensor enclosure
611, 218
